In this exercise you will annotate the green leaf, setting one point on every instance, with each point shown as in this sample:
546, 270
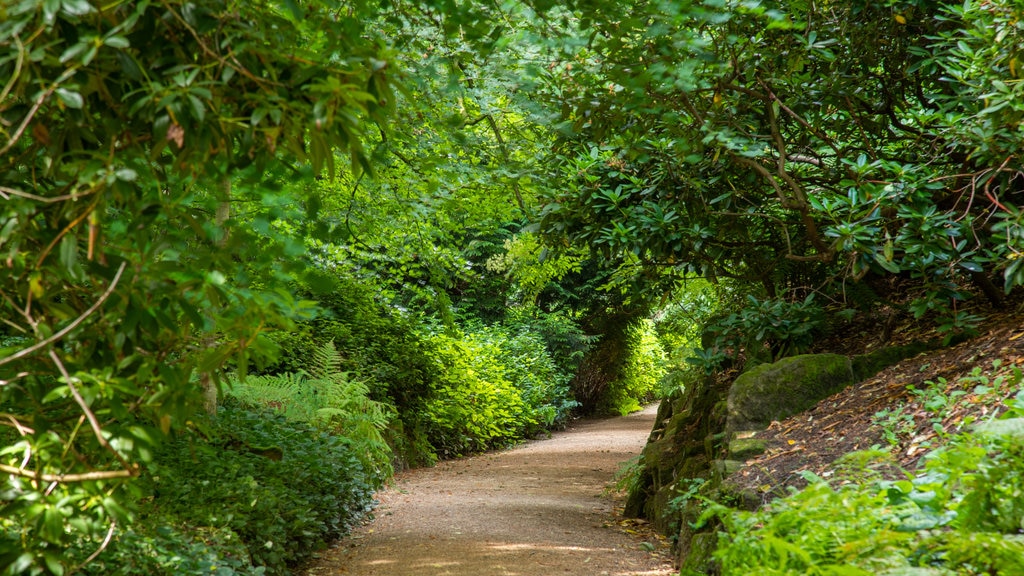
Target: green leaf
70, 99
69, 254
198, 109
76, 7
888, 265
116, 42
53, 563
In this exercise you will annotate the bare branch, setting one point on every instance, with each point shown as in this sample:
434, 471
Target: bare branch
103, 546
5, 191
93, 422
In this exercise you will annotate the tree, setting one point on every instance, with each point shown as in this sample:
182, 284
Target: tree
120, 127
793, 144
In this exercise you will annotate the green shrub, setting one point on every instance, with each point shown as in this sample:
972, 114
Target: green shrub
641, 374
150, 548
766, 330
284, 488
378, 344
565, 341
531, 369
475, 406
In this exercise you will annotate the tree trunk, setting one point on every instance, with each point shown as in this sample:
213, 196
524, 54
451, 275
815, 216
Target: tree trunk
210, 340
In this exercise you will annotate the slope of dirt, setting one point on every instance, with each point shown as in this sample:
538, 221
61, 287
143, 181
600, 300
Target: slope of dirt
541, 509
904, 409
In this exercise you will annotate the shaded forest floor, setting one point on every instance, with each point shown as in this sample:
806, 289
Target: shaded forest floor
905, 409
545, 508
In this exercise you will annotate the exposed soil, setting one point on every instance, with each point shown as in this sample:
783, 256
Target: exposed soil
545, 508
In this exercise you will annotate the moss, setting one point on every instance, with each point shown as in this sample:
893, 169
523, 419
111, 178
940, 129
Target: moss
726, 468
867, 365
745, 448
697, 557
791, 385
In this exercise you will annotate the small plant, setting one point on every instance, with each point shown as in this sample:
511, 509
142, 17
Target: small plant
687, 489
896, 424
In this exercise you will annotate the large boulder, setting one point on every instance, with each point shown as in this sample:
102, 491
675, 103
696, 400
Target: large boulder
775, 391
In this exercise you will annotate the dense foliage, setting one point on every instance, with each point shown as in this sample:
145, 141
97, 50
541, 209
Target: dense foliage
480, 206
796, 145
960, 513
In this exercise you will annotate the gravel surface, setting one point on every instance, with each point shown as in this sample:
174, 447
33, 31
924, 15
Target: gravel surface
541, 509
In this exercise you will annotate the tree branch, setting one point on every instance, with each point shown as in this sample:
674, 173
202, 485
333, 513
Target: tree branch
62, 478
74, 324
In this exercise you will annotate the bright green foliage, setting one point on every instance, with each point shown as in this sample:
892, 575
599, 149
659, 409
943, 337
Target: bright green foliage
960, 514
532, 266
531, 368
329, 400
642, 371
496, 387
475, 406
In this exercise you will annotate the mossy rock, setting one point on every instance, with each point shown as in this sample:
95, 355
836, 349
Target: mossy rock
746, 448
790, 386
696, 557
726, 468
867, 365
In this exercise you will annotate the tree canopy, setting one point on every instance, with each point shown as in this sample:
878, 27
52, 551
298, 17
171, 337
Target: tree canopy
180, 182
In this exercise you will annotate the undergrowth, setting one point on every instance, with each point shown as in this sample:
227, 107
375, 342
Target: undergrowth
250, 492
961, 512
330, 400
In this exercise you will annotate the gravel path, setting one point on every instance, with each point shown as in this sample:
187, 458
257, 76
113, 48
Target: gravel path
539, 510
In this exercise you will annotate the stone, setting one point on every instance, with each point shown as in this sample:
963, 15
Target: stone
697, 557
725, 468
746, 448
778, 390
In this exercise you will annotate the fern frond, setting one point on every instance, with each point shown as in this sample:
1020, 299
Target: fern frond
326, 361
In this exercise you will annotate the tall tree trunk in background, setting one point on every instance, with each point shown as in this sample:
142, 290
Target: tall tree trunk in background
210, 340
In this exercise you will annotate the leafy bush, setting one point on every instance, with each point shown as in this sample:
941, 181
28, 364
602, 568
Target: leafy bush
497, 385
531, 369
962, 513
566, 342
330, 400
642, 371
284, 488
774, 327
150, 547
475, 406
379, 345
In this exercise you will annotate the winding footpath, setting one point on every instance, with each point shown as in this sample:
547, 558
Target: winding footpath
538, 510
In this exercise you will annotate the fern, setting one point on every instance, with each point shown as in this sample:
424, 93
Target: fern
326, 361
331, 400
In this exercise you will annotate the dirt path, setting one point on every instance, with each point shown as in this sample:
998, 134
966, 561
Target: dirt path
537, 510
